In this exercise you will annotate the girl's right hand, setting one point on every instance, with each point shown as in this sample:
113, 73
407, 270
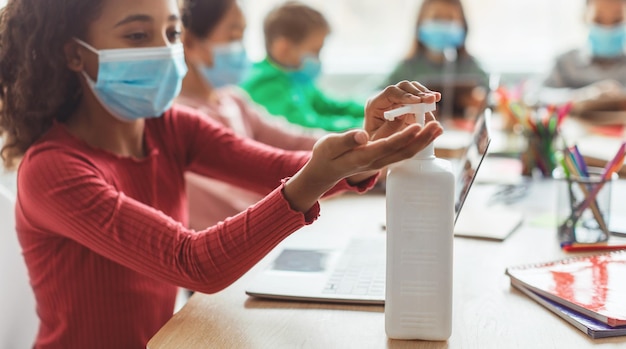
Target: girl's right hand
339, 156
394, 96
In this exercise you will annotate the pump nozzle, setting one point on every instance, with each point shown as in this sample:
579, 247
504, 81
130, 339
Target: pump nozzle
420, 111
395, 113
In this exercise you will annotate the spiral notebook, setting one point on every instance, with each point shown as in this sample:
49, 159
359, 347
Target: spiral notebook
592, 285
591, 327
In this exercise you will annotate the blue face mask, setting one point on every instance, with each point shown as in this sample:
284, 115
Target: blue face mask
230, 64
310, 69
138, 82
439, 35
607, 41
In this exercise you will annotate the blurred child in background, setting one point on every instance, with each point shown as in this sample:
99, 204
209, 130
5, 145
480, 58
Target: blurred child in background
284, 82
597, 70
439, 59
217, 61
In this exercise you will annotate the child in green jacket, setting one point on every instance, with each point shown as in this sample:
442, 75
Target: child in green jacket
284, 82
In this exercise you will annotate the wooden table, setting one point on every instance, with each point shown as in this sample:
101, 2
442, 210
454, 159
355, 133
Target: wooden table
488, 313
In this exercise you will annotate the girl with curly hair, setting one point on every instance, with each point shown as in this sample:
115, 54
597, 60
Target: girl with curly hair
86, 91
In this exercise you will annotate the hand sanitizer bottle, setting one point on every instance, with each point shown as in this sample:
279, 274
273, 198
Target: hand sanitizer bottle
420, 223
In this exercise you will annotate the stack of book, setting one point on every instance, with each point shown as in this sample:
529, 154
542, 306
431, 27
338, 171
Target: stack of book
589, 292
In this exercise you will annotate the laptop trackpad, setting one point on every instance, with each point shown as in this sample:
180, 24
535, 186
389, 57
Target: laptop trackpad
301, 261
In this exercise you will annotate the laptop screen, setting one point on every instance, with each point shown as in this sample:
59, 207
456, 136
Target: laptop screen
471, 159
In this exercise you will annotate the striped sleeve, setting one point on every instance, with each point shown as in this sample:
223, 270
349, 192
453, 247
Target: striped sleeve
60, 193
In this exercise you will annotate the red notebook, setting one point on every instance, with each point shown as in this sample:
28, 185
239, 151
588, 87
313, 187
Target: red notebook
593, 285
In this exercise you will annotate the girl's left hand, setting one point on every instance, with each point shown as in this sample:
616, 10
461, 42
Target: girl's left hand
353, 155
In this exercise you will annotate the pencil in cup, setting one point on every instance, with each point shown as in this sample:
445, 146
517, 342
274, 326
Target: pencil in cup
609, 171
541, 129
579, 173
539, 153
580, 217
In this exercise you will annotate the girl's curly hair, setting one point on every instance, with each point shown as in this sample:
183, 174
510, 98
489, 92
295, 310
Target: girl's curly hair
36, 87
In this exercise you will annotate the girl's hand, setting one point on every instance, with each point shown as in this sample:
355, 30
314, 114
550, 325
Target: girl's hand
338, 156
392, 97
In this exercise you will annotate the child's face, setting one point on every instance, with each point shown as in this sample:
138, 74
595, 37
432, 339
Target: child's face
230, 29
133, 23
311, 46
442, 11
606, 12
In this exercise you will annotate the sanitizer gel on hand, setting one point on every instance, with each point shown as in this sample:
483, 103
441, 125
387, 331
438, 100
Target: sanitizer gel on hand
420, 223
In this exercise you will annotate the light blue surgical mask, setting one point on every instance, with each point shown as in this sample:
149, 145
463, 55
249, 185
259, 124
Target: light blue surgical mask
439, 35
137, 83
230, 65
607, 41
310, 69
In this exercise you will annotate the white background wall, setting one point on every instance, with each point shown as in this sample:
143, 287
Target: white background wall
370, 36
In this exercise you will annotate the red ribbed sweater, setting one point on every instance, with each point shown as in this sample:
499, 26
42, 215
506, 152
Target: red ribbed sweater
105, 239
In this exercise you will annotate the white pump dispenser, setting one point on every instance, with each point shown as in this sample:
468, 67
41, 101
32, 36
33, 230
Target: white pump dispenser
420, 223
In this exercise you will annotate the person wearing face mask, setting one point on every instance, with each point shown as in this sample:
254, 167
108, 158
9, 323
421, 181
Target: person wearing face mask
213, 33
439, 58
86, 110
595, 72
284, 82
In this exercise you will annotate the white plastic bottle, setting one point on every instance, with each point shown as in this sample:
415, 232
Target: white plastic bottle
420, 223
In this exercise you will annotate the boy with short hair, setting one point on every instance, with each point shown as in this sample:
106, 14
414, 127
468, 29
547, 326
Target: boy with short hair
284, 82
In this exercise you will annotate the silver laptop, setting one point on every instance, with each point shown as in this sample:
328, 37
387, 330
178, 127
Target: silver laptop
318, 264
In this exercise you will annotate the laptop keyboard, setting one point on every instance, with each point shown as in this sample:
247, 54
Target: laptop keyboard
360, 270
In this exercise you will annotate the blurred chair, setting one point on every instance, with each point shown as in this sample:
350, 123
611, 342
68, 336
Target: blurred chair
18, 318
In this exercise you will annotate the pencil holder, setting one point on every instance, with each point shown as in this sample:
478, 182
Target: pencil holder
583, 206
539, 155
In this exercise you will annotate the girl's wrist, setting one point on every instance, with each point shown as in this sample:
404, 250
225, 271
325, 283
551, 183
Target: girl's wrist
361, 177
303, 190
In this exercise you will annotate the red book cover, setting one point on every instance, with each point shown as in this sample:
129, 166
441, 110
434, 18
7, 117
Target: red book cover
593, 285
